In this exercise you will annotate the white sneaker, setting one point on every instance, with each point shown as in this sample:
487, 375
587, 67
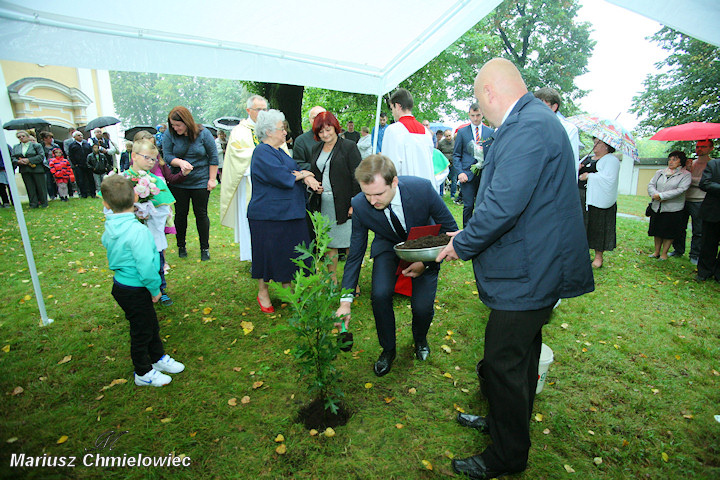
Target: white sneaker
153, 378
168, 364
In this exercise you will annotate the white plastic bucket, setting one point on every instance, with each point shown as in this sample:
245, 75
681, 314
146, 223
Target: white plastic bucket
546, 358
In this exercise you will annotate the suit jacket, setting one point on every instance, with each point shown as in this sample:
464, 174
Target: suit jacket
78, 152
421, 206
526, 237
710, 183
345, 159
35, 155
462, 155
302, 149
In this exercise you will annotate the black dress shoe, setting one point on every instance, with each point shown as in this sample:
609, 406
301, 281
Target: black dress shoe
473, 421
182, 252
422, 351
204, 255
383, 364
475, 468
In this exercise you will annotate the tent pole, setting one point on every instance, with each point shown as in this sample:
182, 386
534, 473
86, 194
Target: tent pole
377, 123
10, 171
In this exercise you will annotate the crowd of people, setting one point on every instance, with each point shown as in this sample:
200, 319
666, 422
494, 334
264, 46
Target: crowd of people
514, 167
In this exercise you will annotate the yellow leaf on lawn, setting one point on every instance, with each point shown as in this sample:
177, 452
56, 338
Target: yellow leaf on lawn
329, 432
247, 327
412, 390
6, 348
399, 425
281, 449
569, 469
584, 349
459, 408
257, 385
166, 420
449, 454
597, 460
286, 352
192, 434
665, 457
117, 381
149, 409
368, 385
617, 347
449, 332
593, 409
237, 369
389, 399
245, 400
313, 432
625, 443
688, 416
446, 349
447, 375
427, 464
546, 431
65, 359
207, 310
538, 417
62, 439
232, 402
207, 319
17, 390
99, 397
27, 298
12, 440
280, 438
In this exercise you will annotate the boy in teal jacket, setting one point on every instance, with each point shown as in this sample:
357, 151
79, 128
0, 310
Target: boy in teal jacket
133, 257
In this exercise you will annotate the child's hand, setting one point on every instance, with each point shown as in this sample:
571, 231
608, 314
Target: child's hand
156, 298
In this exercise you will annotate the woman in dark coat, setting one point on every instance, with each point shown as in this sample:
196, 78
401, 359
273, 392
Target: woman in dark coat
276, 211
333, 163
30, 156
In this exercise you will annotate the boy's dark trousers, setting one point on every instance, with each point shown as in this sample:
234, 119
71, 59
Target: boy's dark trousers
146, 347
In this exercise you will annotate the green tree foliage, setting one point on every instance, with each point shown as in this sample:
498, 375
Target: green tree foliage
147, 98
686, 90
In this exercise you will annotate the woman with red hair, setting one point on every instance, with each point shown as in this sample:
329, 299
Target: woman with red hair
333, 162
190, 148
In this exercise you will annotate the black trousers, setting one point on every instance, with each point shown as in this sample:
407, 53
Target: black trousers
709, 259
146, 347
51, 185
512, 353
199, 198
85, 181
422, 301
36, 187
5, 193
469, 191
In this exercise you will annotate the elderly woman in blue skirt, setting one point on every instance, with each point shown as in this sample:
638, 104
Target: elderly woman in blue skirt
276, 212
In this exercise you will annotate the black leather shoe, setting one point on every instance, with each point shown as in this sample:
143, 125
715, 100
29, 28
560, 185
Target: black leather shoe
675, 254
383, 364
422, 351
182, 252
204, 255
473, 421
475, 468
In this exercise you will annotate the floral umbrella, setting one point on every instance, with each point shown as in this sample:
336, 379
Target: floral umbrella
608, 131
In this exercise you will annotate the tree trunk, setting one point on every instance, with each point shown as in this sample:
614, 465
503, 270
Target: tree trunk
287, 99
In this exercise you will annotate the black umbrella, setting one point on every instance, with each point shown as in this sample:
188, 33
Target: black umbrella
26, 124
212, 129
131, 132
226, 123
101, 122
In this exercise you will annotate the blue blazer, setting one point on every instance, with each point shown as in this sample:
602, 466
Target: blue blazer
526, 237
275, 193
421, 206
462, 155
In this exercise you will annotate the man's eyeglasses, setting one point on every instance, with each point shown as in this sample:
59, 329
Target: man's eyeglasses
259, 109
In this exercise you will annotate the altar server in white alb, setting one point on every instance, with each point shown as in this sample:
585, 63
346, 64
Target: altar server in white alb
235, 189
407, 142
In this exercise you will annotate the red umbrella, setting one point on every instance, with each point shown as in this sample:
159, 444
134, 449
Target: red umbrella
689, 131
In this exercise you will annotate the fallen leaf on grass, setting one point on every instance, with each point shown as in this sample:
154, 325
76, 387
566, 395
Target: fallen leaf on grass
538, 417
313, 432
99, 397
329, 432
27, 298
368, 385
17, 391
166, 420
62, 439
192, 434
449, 454
281, 449
597, 460
65, 359
149, 409
399, 425
286, 352
665, 457
117, 381
12, 440
237, 369
625, 443
564, 325
245, 400
232, 402
280, 438
446, 349
427, 464
6, 348
458, 408
207, 310
569, 469
247, 327
546, 431
447, 375
257, 385
207, 319
389, 399
591, 432
655, 390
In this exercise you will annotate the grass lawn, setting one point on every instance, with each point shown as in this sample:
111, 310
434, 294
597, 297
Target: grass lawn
631, 394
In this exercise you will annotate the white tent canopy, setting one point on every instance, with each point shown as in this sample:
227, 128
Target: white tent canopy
367, 47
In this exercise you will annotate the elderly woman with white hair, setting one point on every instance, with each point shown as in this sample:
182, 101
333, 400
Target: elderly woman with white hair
276, 212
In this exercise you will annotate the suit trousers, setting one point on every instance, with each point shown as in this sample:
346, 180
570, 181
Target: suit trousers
146, 346
469, 191
36, 188
422, 301
692, 211
709, 259
513, 341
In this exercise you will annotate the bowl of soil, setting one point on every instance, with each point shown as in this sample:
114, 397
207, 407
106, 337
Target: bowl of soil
423, 249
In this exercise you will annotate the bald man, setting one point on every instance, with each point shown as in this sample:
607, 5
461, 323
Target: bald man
528, 247
304, 143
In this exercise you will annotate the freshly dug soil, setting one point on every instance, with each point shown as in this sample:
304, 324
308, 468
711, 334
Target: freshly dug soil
426, 242
316, 416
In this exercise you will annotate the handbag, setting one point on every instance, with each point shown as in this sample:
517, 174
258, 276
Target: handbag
314, 200
649, 210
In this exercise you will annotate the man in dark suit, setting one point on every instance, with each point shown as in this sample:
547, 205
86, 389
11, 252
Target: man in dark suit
390, 206
78, 152
709, 259
528, 246
467, 141
304, 143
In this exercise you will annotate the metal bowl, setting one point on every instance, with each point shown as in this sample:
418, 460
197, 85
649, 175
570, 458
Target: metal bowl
418, 254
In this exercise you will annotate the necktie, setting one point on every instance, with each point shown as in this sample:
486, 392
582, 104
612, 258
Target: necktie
477, 134
397, 226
